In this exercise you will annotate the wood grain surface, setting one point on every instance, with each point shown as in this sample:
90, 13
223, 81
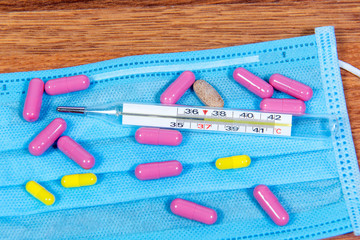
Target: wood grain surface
37, 35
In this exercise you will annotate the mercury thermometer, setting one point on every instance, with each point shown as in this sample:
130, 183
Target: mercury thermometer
208, 119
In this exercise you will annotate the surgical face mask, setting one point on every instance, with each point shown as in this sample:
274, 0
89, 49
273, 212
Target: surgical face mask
316, 181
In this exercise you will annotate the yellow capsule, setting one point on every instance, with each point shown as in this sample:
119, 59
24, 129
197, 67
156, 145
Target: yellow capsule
240, 161
78, 180
40, 193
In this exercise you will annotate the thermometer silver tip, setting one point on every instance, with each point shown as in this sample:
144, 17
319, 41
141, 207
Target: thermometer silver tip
80, 110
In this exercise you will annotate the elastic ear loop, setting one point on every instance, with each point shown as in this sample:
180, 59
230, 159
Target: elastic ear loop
349, 68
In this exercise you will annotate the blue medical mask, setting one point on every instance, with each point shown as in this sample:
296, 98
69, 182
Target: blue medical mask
317, 181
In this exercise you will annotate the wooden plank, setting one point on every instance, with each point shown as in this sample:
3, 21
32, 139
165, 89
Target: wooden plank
31, 5
36, 35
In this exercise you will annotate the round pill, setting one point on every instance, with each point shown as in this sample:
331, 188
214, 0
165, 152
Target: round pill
47, 137
78, 180
291, 87
33, 100
40, 193
253, 83
175, 91
271, 205
295, 106
157, 136
207, 94
240, 161
193, 211
67, 84
76, 152
156, 170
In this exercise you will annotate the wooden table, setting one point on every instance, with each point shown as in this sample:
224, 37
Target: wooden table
38, 34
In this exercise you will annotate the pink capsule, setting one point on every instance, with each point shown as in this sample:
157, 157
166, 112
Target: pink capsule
253, 83
271, 205
283, 105
76, 152
33, 100
67, 84
193, 211
175, 91
158, 170
157, 136
291, 87
47, 137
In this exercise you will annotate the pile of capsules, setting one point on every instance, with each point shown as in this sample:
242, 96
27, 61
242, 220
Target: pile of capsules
156, 136
47, 137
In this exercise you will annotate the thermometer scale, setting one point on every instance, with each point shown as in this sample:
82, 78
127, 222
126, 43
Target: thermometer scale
208, 119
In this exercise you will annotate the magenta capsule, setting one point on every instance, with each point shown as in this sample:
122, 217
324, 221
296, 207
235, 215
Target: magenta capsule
76, 152
271, 205
157, 136
33, 100
283, 105
291, 87
67, 84
253, 83
193, 211
47, 137
156, 170
175, 91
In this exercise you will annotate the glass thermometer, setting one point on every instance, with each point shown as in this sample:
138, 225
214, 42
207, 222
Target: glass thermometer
208, 119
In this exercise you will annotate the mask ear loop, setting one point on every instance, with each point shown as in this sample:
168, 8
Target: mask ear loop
349, 68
